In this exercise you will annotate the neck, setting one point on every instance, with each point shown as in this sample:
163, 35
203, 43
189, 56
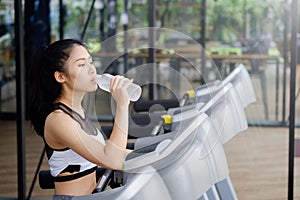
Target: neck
72, 100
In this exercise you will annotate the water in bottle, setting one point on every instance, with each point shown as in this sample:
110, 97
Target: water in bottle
134, 90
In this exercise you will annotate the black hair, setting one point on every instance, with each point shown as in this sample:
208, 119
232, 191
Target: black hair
43, 87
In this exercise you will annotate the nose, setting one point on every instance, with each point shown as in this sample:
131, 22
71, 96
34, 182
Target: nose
91, 68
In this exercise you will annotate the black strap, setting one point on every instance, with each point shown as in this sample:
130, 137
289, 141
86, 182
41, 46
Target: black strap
74, 176
46, 181
71, 169
85, 123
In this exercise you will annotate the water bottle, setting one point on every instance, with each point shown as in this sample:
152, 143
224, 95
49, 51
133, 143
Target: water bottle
134, 90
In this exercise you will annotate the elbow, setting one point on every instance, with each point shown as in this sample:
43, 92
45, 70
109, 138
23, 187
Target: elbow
109, 163
119, 166
115, 157
113, 164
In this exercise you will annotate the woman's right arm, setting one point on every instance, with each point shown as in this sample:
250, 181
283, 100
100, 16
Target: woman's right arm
62, 131
118, 89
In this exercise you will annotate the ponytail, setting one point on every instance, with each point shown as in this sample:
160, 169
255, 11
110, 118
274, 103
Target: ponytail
43, 87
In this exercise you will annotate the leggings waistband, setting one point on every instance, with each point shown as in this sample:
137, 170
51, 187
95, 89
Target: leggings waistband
62, 197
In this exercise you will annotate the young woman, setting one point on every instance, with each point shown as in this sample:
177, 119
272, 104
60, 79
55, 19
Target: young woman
60, 76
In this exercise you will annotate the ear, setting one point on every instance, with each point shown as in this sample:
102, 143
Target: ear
59, 76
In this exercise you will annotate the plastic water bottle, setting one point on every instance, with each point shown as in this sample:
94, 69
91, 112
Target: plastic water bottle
134, 90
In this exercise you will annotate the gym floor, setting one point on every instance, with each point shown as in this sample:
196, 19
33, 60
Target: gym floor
257, 157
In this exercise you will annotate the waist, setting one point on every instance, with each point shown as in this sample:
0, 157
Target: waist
77, 187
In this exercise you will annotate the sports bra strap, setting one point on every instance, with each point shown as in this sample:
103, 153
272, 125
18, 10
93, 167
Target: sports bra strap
85, 123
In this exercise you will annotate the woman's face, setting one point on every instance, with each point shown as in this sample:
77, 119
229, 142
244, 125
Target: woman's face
81, 71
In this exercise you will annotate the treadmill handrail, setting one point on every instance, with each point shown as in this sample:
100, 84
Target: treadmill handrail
152, 157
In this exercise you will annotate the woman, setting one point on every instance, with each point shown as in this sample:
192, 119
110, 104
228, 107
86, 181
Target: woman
61, 75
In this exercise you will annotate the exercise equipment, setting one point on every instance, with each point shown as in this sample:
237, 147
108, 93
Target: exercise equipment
241, 81
189, 165
223, 104
189, 161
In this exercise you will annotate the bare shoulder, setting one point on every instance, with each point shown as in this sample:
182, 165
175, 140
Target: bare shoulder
60, 129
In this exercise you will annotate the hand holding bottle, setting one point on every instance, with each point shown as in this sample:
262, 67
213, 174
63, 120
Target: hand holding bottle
134, 90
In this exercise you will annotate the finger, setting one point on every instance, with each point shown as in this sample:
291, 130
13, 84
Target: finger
127, 83
119, 82
114, 83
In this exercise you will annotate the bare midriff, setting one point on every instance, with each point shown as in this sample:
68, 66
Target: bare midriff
78, 187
